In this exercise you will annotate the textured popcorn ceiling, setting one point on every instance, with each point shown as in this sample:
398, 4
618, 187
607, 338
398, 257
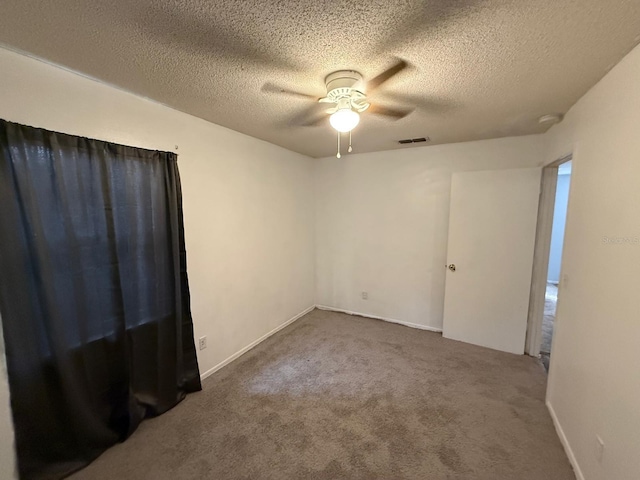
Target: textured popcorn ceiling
480, 68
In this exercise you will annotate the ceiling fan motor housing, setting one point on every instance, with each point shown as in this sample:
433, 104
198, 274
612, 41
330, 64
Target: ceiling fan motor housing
343, 85
342, 79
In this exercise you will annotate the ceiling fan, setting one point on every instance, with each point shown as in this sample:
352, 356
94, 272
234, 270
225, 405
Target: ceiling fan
350, 96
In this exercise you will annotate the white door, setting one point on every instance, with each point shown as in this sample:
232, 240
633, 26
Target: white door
492, 227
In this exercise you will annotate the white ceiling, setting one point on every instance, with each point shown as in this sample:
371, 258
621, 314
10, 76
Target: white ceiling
480, 68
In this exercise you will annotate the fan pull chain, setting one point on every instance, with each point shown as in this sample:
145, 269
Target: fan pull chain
338, 155
350, 149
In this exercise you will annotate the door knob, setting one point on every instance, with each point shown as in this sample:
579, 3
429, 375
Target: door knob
452, 267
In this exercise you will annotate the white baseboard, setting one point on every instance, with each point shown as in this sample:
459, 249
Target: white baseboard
565, 443
213, 370
391, 320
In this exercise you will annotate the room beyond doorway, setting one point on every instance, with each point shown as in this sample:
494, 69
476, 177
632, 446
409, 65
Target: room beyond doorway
548, 322
546, 284
555, 260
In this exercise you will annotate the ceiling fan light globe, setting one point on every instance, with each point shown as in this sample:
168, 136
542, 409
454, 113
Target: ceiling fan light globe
344, 120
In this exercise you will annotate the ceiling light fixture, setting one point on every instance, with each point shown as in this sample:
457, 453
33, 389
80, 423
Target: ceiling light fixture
346, 92
344, 117
344, 120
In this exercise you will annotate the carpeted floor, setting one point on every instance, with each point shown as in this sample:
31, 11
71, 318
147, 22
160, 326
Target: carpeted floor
340, 397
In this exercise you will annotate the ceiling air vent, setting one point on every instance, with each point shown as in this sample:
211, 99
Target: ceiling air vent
413, 140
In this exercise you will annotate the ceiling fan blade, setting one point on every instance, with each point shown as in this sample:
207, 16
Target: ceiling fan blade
310, 117
317, 121
273, 88
432, 105
197, 31
414, 20
394, 112
390, 72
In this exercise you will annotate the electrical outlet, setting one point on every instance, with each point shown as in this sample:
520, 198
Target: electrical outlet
365, 295
599, 448
202, 343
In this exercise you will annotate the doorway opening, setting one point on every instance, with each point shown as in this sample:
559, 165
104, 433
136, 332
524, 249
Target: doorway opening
547, 269
555, 260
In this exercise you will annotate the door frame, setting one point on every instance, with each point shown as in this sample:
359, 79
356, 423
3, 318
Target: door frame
542, 249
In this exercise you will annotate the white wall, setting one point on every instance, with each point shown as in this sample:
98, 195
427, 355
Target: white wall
557, 231
248, 205
382, 222
594, 378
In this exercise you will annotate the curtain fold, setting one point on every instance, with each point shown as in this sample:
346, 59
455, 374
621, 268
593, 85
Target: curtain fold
94, 294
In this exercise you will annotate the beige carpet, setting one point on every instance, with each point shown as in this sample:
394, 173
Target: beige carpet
340, 397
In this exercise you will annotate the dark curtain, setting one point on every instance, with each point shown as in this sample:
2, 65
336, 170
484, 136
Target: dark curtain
94, 295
